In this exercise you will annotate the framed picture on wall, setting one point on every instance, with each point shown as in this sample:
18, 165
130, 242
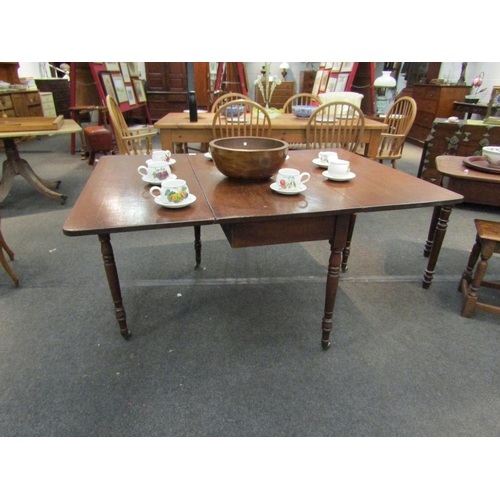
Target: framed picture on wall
112, 66
107, 83
347, 66
494, 103
332, 82
133, 69
341, 82
324, 80
317, 81
139, 90
131, 95
336, 66
121, 91
125, 73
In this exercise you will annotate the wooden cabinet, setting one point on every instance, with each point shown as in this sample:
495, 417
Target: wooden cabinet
48, 106
60, 88
280, 95
167, 88
433, 101
20, 103
307, 81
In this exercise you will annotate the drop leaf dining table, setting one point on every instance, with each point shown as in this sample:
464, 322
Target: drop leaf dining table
117, 200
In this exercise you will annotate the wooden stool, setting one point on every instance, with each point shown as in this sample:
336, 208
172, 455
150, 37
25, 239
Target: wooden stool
487, 243
3, 260
98, 140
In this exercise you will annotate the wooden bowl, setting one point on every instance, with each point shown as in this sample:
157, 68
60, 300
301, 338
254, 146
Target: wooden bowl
248, 158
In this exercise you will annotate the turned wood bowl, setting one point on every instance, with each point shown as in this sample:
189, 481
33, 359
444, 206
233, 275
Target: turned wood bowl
248, 158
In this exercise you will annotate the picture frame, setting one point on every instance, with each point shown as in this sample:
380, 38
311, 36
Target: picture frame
494, 102
131, 95
332, 82
139, 90
347, 67
324, 81
328, 65
107, 83
336, 66
341, 82
112, 66
125, 72
317, 81
119, 84
133, 69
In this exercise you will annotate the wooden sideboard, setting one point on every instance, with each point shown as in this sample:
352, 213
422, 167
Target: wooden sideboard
433, 101
20, 103
280, 95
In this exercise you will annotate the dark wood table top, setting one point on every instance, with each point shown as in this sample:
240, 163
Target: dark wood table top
116, 199
453, 166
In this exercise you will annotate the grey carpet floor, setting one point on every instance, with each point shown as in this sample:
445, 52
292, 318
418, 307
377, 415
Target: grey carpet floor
233, 349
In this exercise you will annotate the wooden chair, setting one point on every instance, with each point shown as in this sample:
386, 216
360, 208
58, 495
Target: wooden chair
223, 99
3, 260
254, 121
400, 118
302, 99
335, 125
130, 140
487, 243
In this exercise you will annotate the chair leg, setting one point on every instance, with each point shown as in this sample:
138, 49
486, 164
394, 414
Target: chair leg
347, 249
3, 244
474, 255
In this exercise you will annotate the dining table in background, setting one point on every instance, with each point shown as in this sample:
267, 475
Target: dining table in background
117, 200
15, 165
176, 128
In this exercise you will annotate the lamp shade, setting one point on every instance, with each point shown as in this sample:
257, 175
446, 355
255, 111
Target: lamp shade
284, 65
386, 80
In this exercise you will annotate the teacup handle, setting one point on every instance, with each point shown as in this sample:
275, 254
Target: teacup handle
307, 177
155, 188
143, 170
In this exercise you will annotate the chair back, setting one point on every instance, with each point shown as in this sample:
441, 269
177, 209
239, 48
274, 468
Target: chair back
140, 141
335, 125
253, 121
399, 119
223, 99
302, 99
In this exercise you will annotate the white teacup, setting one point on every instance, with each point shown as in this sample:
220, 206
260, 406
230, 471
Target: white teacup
339, 168
291, 179
453, 119
175, 191
324, 156
161, 155
158, 170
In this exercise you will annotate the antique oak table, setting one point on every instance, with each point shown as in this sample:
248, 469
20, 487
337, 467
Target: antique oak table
116, 200
15, 165
176, 128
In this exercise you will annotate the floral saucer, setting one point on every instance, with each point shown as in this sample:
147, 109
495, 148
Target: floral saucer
339, 178
319, 163
171, 161
275, 187
158, 182
184, 203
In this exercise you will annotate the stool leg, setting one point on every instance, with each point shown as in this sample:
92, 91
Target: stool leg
3, 244
474, 255
91, 157
470, 301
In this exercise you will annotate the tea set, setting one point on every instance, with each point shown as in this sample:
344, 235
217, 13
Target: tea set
290, 181
167, 190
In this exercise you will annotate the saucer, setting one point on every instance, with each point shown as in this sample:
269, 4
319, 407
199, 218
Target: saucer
276, 188
319, 163
170, 162
157, 182
347, 177
190, 199
208, 156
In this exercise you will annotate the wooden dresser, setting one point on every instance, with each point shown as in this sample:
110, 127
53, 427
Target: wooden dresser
280, 95
20, 103
433, 101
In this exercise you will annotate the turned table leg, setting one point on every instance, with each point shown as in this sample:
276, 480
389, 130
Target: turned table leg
337, 244
114, 283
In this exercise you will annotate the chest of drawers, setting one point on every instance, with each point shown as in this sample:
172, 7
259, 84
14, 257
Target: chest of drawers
20, 103
280, 95
433, 101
